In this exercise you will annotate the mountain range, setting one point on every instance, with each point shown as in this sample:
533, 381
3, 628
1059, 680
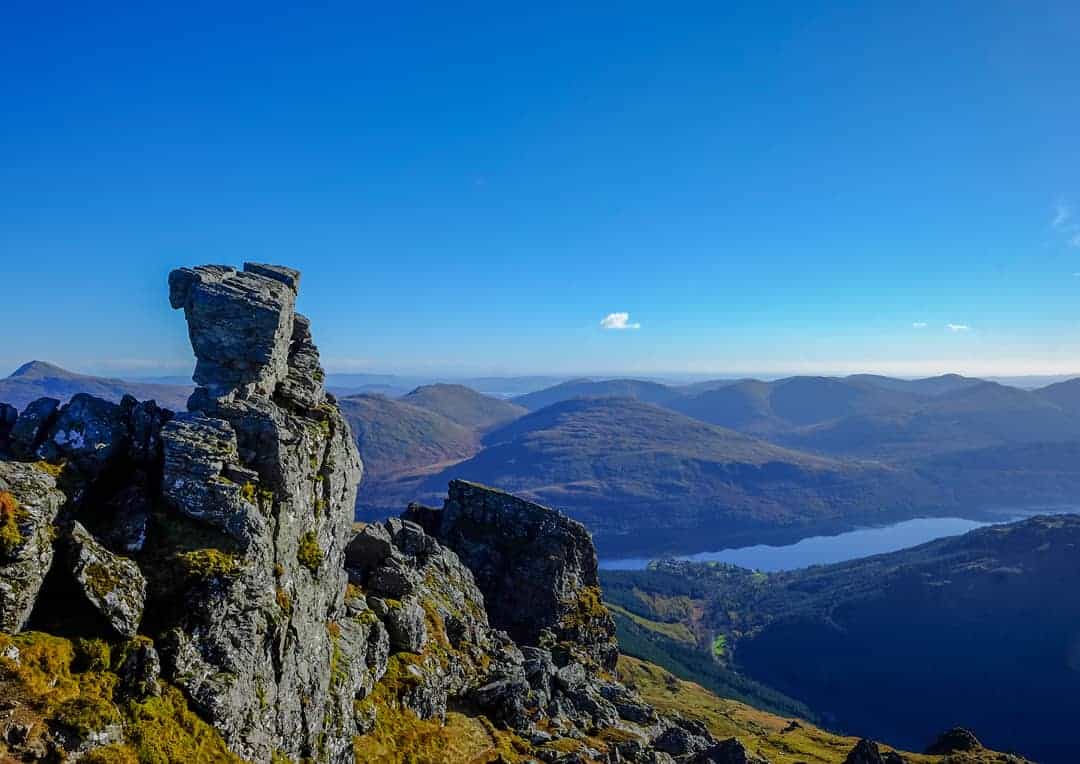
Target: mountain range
651, 467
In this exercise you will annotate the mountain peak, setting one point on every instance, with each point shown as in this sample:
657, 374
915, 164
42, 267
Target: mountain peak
39, 369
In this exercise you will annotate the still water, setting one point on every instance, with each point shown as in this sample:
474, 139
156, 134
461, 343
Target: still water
822, 550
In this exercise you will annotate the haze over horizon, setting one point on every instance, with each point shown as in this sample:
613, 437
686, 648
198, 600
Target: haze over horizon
767, 190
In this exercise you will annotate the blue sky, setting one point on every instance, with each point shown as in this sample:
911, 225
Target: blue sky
762, 187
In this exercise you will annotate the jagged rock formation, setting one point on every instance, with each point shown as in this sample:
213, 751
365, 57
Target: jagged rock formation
213, 549
491, 531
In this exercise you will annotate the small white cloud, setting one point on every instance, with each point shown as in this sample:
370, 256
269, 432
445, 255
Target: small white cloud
618, 321
919, 325
1062, 214
958, 327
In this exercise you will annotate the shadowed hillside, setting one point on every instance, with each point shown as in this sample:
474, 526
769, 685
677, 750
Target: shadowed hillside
990, 620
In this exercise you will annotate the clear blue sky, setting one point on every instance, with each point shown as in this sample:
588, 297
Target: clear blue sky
762, 187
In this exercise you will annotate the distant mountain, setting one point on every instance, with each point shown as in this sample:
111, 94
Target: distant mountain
627, 467
1065, 395
980, 629
946, 383
642, 390
399, 384
787, 404
464, 405
974, 417
39, 379
394, 435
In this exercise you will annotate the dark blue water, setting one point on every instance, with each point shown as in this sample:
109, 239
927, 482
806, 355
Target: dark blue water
822, 550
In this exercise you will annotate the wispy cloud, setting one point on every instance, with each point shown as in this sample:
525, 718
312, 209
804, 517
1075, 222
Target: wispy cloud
1062, 214
919, 325
618, 321
1074, 240
958, 327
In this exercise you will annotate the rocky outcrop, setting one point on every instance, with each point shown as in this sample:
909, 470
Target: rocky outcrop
954, 740
217, 534
521, 552
270, 465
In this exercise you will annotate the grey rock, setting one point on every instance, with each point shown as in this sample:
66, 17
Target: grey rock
729, 751
679, 742
523, 552
865, 752
139, 670
954, 740
393, 579
240, 324
127, 524
27, 554
30, 428
369, 547
114, 585
406, 626
143, 420
196, 450
88, 431
302, 386
8, 416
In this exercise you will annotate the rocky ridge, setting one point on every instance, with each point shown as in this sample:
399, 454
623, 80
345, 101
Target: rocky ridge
189, 586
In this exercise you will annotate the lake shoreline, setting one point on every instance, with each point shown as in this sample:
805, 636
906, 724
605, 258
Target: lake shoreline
791, 549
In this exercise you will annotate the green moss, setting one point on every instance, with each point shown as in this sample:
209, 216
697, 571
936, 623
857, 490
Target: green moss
309, 553
84, 715
719, 646
100, 579
50, 468
248, 492
164, 731
10, 516
59, 682
206, 563
117, 753
92, 655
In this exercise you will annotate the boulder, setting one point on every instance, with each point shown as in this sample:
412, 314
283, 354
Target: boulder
88, 431
405, 623
112, 584
954, 740
29, 503
730, 751
865, 752
139, 669
30, 428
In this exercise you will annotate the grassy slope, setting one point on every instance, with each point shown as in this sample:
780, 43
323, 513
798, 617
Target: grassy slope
769, 735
